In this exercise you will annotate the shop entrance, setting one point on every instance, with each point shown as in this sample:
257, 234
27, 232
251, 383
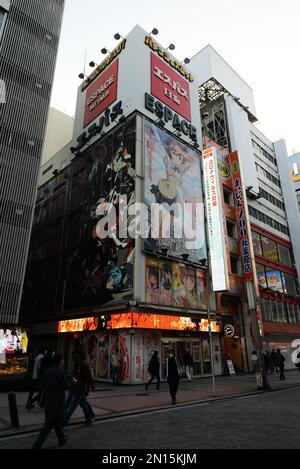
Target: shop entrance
198, 348
233, 351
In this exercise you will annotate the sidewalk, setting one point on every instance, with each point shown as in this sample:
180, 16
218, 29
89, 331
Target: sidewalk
111, 401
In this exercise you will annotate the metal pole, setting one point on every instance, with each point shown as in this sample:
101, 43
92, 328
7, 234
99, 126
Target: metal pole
13, 410
209, 330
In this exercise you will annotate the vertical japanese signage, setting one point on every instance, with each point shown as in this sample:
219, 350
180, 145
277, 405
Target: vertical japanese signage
214, 220
241, 217
170, 88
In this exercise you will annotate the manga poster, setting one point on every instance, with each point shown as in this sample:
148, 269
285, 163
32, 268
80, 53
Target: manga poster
165, 283
100, 270
202, 295
152, 281
173, 176
191, 287
179, 284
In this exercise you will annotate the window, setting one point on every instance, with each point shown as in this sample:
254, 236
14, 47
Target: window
269, 249
274, 311
290, 284
231, 229
234, 262
291, 313
261, 275
228, 196
256, 243
268, 220
2, 16
284, 254
281, 312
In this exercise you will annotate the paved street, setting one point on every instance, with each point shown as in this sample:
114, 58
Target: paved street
268, 420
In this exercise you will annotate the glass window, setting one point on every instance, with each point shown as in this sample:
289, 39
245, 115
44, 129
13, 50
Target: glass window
261, 275
266, 311
274, 312
284, 254
290, 284
2, 13
281, 311
269, 248
291, 313
297, 313
256, 243
274, 279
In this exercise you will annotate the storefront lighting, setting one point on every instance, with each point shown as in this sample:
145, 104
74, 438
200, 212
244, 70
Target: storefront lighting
186, 60
82, 76
93, 64
118, 36
185, 256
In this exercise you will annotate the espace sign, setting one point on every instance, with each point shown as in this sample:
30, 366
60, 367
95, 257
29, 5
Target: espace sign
101, 93
170, 88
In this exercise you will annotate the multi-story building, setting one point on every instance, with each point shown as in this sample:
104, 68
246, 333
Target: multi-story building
228, 119
294, 165
136, 135
29, 36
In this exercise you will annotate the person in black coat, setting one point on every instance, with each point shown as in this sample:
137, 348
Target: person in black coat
172, 374
55, 384
153, 369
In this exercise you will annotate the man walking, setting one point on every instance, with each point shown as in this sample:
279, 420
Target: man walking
55, 383
280, 362
172, 374
116, 361
153, 369
188, 364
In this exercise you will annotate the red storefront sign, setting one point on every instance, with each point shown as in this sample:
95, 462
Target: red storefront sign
170, 88
101, 94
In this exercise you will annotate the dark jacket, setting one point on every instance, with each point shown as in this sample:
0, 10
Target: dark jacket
153, 366
85, 380
55, 383
187, 359
172, 370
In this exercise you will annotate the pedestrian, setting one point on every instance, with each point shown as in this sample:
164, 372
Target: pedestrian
267, 359
273, 362
78, 395
188, 364
153, 369
55, 384
172, 374
254, 361
280, 362
37, 375
116, 361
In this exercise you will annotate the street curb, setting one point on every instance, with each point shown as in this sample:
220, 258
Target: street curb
36, 428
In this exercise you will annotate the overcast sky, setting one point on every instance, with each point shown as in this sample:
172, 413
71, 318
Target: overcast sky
260, 39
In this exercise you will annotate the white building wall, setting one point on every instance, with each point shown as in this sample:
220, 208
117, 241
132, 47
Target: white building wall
59, 132
289, 199
240, 138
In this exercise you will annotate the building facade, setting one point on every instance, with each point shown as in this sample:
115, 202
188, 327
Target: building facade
29, 36
228, 119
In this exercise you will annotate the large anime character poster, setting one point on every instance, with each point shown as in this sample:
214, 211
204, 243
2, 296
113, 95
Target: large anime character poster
173, 176
100, 270
165, 281
179, 284
202, 293
152, 281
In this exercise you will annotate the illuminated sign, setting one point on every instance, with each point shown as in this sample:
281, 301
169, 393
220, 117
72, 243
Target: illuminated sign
78, 325
170, 88
296, 172
214, 220
117, 51
229, 330
241, 216
173, 63
101, 94
159, 321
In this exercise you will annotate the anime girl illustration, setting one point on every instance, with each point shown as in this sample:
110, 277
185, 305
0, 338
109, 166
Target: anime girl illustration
152, 281
165, 277
179, 288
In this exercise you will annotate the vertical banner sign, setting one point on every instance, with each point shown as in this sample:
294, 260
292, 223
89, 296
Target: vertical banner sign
241, 217
214, 220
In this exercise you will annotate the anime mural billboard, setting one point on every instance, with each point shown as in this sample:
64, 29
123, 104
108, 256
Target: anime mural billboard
100, 270
173, 181
173, 283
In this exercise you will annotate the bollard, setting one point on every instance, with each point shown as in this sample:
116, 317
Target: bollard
13, 410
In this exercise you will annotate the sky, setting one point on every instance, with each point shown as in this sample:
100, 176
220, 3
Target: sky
260, 39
